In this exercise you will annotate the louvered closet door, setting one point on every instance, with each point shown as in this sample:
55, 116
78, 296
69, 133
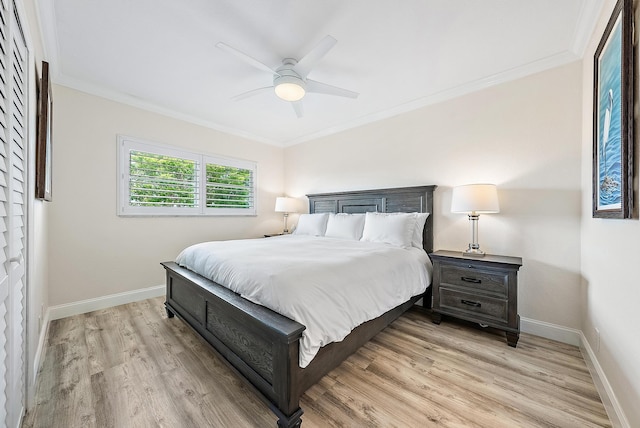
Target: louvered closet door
13, 96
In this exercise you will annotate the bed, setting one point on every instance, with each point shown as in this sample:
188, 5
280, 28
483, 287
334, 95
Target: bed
262, 346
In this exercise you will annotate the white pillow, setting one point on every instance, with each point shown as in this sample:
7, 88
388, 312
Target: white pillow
421, 219
346, 226
312, 224
391, 228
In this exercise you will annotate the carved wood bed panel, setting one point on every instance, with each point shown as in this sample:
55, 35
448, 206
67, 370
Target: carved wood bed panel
262, 345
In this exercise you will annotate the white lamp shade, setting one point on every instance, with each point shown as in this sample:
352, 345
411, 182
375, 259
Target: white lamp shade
286, 205
475, 199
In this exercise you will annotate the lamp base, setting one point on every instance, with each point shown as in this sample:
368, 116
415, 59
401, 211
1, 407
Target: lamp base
474, 248
472, 253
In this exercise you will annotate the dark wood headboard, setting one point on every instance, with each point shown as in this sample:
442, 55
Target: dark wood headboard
402, 199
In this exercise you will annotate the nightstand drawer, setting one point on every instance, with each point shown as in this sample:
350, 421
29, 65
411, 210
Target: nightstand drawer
487, 307
482, 290
478, 279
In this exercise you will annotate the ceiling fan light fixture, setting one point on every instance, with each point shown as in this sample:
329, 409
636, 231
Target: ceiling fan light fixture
289, 88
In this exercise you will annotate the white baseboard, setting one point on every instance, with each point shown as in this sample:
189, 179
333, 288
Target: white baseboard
551, 331
76, 308
38, 357
84, 306
608, 397
577, 338
44, 332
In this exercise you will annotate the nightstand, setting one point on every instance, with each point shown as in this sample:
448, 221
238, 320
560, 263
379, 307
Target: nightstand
477, 289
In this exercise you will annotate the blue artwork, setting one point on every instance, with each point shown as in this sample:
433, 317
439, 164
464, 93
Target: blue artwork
609, 192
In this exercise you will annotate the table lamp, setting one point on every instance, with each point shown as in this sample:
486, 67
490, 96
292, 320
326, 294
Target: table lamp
475, 199
286, 206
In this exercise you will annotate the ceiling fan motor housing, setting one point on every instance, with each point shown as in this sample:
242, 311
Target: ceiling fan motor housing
288, 84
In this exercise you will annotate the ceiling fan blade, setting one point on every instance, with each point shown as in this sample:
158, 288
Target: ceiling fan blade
307, 62
246, 58
323, 88
251, 93
297, 107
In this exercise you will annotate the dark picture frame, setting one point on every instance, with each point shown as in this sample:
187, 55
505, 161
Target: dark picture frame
44, 136
613, 100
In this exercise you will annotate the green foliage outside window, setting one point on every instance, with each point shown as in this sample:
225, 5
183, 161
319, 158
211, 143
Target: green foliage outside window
157, 180
228, 187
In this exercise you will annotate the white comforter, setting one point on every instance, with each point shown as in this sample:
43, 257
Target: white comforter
329, 285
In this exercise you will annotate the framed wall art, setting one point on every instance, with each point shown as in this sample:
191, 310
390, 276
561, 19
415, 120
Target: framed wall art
44, 136
613, 117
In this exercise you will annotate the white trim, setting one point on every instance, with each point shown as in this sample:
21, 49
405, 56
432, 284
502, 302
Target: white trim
132, 101
576, 337
89, 305
608, 397
515, 73
447, 94
589, 14
42, 341
23, 412
46, 17
551, 331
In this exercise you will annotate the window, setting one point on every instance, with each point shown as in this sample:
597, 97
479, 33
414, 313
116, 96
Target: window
162, 180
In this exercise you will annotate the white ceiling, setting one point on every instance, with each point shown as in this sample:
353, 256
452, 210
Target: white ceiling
398, 54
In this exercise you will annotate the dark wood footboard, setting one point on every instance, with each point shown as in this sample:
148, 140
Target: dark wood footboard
259, 344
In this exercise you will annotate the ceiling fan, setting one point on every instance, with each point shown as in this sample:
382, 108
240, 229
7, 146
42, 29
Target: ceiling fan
290, 81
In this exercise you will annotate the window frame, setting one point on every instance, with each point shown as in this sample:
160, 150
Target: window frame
124, 209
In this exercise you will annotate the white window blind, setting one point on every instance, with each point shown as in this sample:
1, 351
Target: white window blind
13, 174
229, 185
162, 180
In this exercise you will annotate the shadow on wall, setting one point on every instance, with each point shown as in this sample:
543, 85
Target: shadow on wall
556, 203
537, 223
550, 293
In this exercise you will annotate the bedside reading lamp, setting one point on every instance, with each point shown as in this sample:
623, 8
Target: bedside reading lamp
475, 199
286, 206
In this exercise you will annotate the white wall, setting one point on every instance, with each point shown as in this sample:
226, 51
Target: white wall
523, 135
37, 233
92, 251
610, 257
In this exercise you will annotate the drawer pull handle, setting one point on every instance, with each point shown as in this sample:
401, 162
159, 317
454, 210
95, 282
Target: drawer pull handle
473, 280
470, 303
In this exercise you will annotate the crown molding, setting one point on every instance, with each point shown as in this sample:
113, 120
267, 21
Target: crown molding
132, 101
589, 13
447, 94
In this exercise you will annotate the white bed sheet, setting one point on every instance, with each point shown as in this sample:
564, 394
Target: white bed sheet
329, 285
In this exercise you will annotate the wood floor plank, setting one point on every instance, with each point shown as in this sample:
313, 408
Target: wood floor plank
505, 361
131, 366
117, 399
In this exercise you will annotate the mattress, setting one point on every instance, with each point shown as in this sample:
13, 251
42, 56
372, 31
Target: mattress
329, 285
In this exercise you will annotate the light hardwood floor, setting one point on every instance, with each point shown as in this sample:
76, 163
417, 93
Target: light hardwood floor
130, 366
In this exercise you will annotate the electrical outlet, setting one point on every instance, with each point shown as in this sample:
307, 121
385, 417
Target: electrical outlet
597, 340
